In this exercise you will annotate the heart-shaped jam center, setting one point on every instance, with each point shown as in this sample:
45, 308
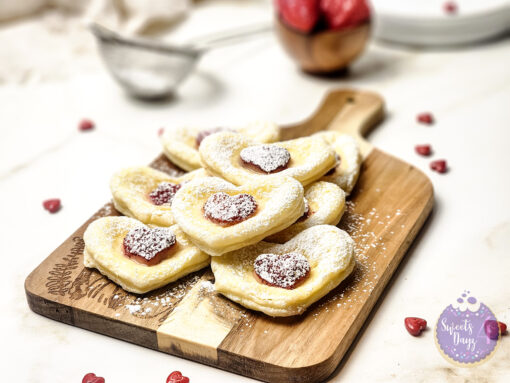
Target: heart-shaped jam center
286, 270
164, 193
147, 245
204, 133
224, 209
268, 158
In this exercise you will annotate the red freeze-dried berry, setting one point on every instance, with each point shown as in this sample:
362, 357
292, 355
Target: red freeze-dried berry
423, 150
415, 325
92, 378
177, 377
86, 124
161, 131
502, 327
439, 166
450, 7
52, 205
425, 118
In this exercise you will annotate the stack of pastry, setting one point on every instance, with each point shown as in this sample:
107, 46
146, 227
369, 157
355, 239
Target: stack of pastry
262, 213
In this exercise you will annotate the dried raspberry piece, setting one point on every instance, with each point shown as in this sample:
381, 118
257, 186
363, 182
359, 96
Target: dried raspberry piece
502, 328
424, 150
92, 378
286, 270
222, 208
145, 244
161, 131
86, 124
177, 377
415, 325
425, 118
439, 166
450, 7
52, 205
268, 158
164, 193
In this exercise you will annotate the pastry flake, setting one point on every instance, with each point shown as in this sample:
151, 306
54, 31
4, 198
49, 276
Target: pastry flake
325, 206
330, 255
146, 194
181, 144
269, 206
105, 250
240, 160
345, 174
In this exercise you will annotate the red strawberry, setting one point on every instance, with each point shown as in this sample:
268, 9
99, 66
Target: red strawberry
344, 13
92, 378
299, 14
86, 124
52, 205
415, 325
424, 150
425, 118
176, 377
439, 166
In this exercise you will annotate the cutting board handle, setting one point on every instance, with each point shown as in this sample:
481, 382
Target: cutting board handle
347, 111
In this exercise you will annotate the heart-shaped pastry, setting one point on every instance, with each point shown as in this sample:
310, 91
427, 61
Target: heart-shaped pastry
146, 194
284, 285
345, 173
220, 217
325, 206
239, 160
180, 144
139, 258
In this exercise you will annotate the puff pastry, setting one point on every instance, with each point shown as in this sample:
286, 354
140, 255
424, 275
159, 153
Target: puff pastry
145, 193
266, 207
325, 206
104, 250
328, 250
233, 157
180, 144
346, 173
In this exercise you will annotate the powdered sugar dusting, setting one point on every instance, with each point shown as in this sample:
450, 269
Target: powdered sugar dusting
284, 270
164, 193
148, 242
268, 158
223, 208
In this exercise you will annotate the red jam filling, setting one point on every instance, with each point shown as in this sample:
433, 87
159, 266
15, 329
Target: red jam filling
307, 212
333, 169
149, 246
226, 210
286, 271
164, 193
266, 158
204, 133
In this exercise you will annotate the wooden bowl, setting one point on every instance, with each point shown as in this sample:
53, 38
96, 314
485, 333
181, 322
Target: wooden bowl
324, 51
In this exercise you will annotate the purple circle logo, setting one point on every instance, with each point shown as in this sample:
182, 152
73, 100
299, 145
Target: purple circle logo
467, 332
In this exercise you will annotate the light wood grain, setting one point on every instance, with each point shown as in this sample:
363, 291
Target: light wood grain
386, 210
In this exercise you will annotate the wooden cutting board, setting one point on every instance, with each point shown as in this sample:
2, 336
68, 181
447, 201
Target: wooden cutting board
188, 319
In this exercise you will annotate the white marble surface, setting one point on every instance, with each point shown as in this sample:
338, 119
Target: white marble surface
463, 246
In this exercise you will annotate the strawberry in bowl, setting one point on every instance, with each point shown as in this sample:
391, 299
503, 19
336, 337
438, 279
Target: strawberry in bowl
323, 36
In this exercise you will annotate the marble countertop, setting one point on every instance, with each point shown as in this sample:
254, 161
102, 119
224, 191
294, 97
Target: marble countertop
464, 244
